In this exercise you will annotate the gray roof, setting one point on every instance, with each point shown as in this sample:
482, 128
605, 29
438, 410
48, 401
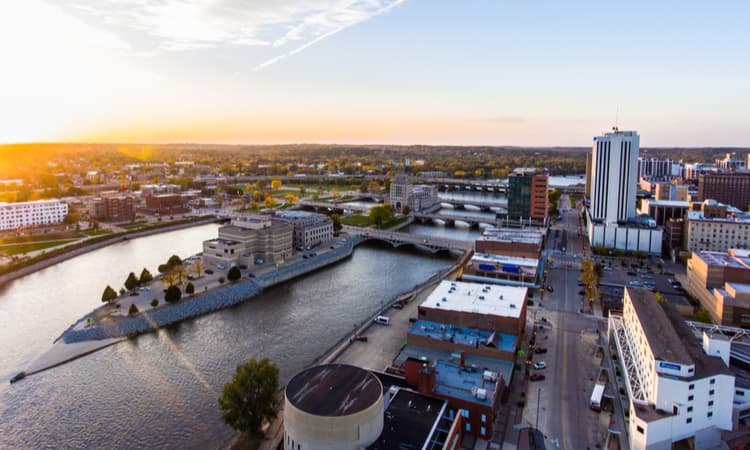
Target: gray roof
334, 390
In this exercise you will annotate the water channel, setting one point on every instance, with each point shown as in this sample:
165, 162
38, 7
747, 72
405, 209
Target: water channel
160, 389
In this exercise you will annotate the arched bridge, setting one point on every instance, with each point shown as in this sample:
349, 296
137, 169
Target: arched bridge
482, 205
398, 239
473, 221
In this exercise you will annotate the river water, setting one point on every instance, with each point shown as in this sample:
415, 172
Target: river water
160, 389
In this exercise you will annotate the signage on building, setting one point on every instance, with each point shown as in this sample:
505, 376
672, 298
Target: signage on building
670, 366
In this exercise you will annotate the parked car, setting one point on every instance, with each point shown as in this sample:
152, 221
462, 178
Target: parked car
550, 289
209, 271
540, 350
220, 266
540, 365
632, 273
134, 294
581, 292
634, 283
361, 338
243, 267
537, 377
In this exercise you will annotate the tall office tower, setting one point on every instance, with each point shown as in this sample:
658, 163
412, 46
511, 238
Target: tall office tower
614, 176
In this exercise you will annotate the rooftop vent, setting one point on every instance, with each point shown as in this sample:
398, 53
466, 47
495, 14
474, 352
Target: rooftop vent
479, 393
490, 375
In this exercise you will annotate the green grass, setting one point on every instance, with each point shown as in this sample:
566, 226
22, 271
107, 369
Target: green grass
357, 220
39, 237
138, 226
17, 249
394, 222
99, 232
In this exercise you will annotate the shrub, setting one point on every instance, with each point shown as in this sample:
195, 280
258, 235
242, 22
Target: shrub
154, 302
189, 289
221, 280
172, 294
234, 274
133, 310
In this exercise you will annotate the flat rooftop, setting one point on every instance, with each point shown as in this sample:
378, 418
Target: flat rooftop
741, 252
472, 337
491, 299
524, 236
410, 421
668, 203
455, 381
333, 390
222, 241
665, 344
297, 216
501, 366
724, 259
503, 259
738, 217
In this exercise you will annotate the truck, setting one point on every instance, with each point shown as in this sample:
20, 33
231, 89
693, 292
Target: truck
596, 397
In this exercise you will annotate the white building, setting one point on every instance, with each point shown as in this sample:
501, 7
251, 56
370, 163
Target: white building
417, 197
22, 214
614, 176
717, 228
310, 229
676, 392
612, 221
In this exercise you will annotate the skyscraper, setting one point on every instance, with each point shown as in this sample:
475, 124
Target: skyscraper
614, 176
528, 194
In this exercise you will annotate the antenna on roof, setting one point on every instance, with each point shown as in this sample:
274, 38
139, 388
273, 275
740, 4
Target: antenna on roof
616, 128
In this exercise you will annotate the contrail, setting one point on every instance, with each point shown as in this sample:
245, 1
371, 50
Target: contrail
278, 58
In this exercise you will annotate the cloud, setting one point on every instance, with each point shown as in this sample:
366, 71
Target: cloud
184, 25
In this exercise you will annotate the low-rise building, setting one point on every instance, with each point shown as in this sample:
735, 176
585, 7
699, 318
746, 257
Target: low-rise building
677, 393
453, 338
250, 239
166, 204
501, 269
484, 306
310, 229
664, 210
112, 206
524, 243
29, 214
726, 272
716, 227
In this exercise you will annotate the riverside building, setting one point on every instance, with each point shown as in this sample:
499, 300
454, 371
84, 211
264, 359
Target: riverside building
29, 214
720, 281
250, 239
678, 393
612, 221
419, 197
309, 229
731, 188
528, 194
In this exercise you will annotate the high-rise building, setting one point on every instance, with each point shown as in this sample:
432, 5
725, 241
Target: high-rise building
614, 181
731, 188
528, 194
612, 219
660, 169
416, 197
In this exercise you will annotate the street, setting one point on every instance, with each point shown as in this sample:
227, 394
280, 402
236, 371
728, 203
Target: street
571, 339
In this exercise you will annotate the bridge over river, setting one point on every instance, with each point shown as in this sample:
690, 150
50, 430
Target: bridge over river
397, 239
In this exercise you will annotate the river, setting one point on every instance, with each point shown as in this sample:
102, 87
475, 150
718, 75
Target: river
160, 389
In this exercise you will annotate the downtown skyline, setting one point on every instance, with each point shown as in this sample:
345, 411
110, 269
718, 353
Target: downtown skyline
380, 71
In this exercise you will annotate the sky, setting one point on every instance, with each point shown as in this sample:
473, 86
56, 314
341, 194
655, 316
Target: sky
470, 72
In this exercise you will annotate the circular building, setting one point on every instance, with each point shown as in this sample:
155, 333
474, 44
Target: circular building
332, 407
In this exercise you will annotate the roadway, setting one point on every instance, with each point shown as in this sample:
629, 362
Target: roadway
571, 338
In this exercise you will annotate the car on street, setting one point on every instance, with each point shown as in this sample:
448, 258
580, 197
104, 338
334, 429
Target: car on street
209, 271
539, 365
550, 289
634, 283
537, 377
540, 350
221, 266
632, 273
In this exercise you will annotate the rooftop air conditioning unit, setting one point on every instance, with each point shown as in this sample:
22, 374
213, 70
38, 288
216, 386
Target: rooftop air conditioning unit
479, 393
490, 375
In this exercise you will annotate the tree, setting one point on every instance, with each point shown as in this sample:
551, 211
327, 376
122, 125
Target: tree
189, 289
146, 276
234, 274
291, 199
131, 282
198, 268
335, 193
221, 280
336, 223
703, 316
249, 398
173, 294
363, 186
269, 202
405, 210
381, 214
174, 260
109, 294
133, 310
275, 184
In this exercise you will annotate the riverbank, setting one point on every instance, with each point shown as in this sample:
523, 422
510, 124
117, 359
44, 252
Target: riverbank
384, 344
69, 346
65, 253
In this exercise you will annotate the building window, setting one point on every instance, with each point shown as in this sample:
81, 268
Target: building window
640, 429
484, 419
691, 387
711, 392
689, 420
468, 426
740, 393
483, 431
712, 381
710, 403
465, 413
690, 409
709, 414
690, 398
